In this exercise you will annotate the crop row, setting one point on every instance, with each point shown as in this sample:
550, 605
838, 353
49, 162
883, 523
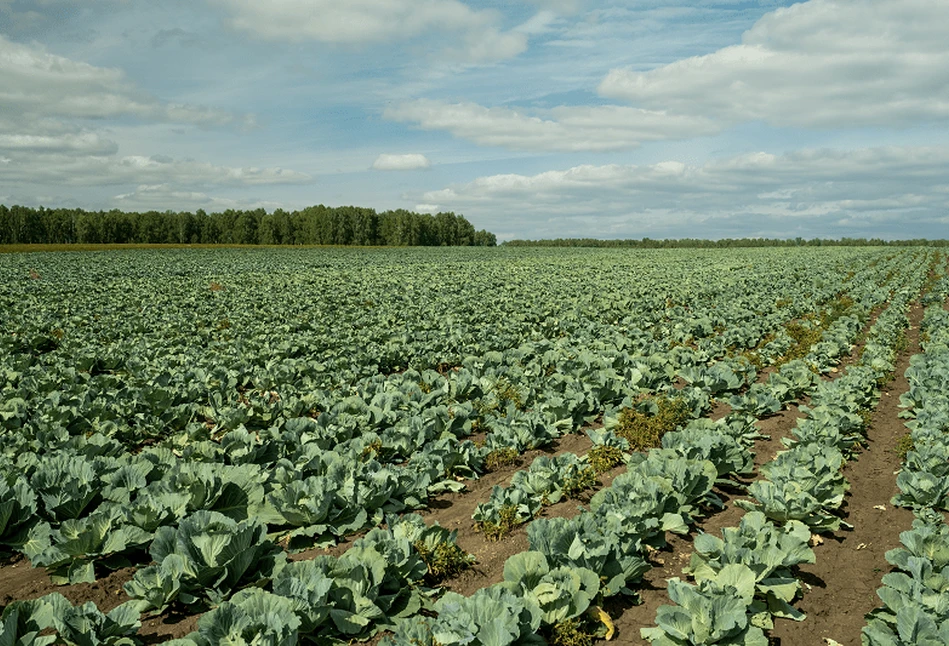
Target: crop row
384, 448
225, 461
915, 595
746, 579
662, 490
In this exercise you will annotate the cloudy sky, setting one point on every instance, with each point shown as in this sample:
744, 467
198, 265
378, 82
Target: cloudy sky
533, 118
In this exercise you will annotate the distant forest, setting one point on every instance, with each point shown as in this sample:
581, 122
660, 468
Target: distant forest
648, 243
315, 225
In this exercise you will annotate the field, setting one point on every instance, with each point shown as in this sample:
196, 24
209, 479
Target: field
475, 446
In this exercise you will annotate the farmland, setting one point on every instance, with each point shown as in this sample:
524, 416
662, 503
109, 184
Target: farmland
474, 446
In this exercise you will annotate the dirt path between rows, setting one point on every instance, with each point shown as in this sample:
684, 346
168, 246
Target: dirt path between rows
670, 562
453, 511
849, 566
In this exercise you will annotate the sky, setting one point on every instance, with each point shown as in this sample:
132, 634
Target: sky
532, 118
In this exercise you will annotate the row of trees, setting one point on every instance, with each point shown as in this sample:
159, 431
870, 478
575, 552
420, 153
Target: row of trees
648, 243
319, 225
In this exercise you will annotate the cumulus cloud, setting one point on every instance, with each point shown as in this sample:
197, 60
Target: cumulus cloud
79, 143
810, 193
565, 128
822, 63
401, 162
34, 82
47, 136
362, 22
109, 170
164, 196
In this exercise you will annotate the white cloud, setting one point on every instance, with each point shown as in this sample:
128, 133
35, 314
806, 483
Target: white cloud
599, 128
822, 63
809, 193
34, 82
81, 143
49, 105
426, 208
162, 197
364, 22
133, 170
401, 162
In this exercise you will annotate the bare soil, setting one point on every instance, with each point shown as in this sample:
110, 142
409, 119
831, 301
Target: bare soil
840, 587
842, 584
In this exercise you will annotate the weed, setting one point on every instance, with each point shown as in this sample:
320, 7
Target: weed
644, 430
866, 415
602, 458
371, 450
572, 632
837, 308
583, 480
802, 337
445, 561
507, 521
499, 458
507, 393
903, 446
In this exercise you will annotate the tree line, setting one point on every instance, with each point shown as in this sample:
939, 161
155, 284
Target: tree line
649, 243
314, 225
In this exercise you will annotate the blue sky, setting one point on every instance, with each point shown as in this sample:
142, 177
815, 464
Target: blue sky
533, 118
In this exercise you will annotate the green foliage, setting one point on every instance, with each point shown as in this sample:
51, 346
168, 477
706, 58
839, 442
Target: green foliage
769, 551
208, 555
252, 616
602, 458
17, 512
500, 458
585, 542
344, 225
804, 484
713, 612
70, 551
572, 632
651, 417
436, 546
345, 388
52, 619
561, 593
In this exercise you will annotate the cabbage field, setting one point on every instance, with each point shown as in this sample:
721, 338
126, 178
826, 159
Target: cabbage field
475, 446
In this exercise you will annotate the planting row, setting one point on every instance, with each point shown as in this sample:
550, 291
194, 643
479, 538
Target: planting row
151, 447
746, 579
915, 595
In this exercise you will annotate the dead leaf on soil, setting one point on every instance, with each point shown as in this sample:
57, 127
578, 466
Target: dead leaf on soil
862, 546
816, 540
601, 615
832, 642
880, 507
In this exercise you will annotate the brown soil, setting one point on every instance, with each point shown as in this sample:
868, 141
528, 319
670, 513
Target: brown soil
453, 511
842, 584
670, 561
20, 581
675, 556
